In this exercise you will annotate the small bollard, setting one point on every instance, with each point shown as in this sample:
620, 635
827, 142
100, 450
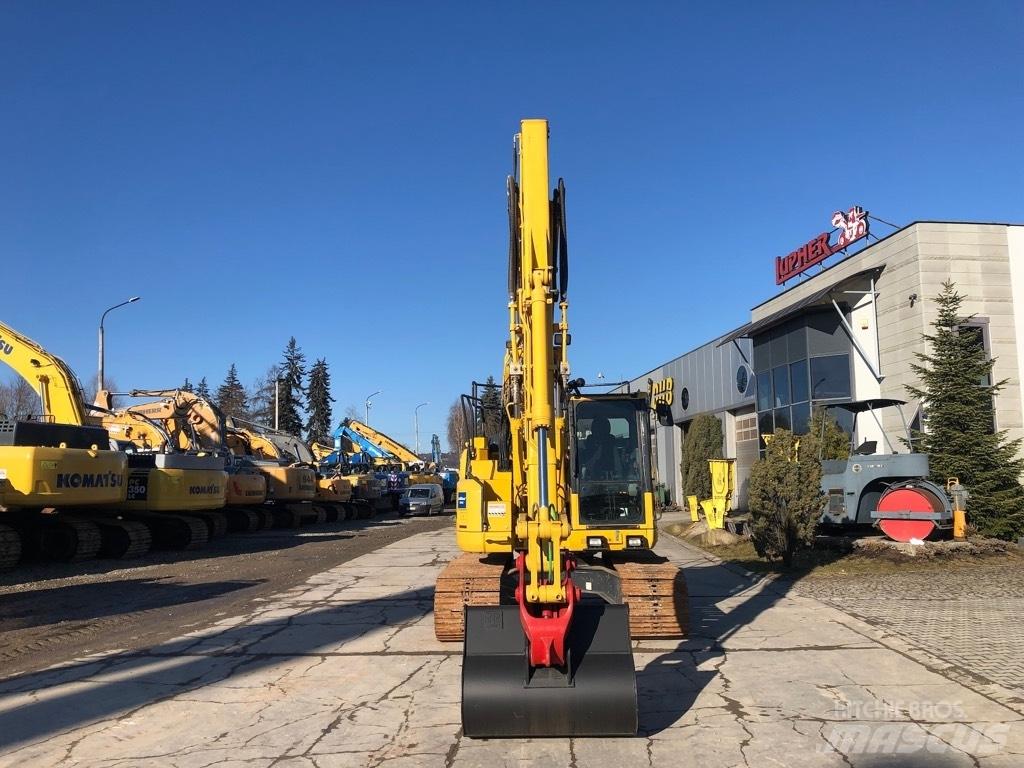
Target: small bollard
959, 496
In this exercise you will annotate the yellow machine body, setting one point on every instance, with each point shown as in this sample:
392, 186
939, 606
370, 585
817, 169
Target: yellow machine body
333, 489
245, 488
34, 477
171, 489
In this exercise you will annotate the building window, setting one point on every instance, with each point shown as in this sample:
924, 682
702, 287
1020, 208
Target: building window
800, 384
746, 428
780, 385
830, 377
764, 391
801, 418
977, 332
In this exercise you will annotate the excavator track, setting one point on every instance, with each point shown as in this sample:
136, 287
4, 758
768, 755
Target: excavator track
123, 539
10, 547
68, 539
469, 579
242, 520
657, 598
654, 591
172, 531
216, 523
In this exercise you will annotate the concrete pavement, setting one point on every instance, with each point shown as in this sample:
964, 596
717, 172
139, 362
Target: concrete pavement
344, 671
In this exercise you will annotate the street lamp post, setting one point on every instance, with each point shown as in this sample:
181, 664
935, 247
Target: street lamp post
416, 424
368, 398
99, 377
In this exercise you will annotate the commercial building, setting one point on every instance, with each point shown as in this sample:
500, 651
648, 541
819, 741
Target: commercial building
847, 332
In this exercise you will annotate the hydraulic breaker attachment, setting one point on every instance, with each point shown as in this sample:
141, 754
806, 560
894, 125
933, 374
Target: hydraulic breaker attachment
594, 694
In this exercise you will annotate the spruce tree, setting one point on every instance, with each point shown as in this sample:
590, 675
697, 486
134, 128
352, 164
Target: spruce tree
491, 401
703, 441
231, 395
203, 389
318, 427
292, 390
957, 394
187, 386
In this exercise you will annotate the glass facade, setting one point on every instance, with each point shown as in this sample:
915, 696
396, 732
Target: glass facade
797, 365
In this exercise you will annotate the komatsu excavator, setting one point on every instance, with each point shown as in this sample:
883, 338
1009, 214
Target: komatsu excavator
58, 462
178, 420
554, 511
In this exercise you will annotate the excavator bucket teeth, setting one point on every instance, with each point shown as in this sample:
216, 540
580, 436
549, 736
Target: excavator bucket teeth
503, 697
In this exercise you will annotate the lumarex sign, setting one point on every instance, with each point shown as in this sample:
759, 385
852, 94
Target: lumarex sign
852, 226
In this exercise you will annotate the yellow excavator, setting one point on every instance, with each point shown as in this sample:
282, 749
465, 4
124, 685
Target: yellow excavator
554, 512
291, 485
336, 495
179, 420
57, 465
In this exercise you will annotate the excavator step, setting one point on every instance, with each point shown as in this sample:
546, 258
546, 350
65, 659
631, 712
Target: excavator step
10, 547
503, 697
123, 539
468, 580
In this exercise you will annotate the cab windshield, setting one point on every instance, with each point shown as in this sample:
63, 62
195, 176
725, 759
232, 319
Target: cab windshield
419, 493
608, 462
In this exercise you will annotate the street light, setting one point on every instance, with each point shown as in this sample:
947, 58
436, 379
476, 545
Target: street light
416, 424
368, 398
99, 378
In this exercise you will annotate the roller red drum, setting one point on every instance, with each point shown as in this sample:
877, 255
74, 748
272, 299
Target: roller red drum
901, 501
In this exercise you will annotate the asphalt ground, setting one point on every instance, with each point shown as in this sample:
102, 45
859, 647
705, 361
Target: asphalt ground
53, 612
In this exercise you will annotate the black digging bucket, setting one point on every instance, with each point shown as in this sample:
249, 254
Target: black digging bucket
594, 696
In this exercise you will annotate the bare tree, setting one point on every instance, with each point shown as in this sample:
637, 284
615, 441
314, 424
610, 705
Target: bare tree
351, 412
457, 432
90, 389
18, 399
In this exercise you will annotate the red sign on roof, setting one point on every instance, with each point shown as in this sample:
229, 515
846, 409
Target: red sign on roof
852, 226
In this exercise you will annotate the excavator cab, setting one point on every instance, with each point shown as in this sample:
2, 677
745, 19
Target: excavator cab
611, 469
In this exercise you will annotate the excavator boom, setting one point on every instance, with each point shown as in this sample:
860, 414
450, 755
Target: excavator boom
553, 664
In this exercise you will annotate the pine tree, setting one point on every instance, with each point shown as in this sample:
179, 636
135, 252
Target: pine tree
491, 401
319, 425
260, 397
703, 441
825, 439
187, 386
785, 499
957, 395
293, 374
231, 395
203, 389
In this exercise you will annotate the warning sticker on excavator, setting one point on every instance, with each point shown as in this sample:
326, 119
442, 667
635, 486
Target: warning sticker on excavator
495, 508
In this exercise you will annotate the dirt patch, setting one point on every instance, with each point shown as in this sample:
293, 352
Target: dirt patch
51, 613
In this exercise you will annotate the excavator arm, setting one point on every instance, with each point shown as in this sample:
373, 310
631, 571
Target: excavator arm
378, 438
59, 391
553, 664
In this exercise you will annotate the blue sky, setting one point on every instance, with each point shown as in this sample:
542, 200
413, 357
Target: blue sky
335, 171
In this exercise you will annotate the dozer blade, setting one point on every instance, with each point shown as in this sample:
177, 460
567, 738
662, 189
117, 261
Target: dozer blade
503, 697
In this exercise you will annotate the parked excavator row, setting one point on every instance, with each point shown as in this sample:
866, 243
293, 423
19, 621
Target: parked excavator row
89, 479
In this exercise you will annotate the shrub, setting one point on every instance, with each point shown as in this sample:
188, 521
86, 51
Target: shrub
785, 499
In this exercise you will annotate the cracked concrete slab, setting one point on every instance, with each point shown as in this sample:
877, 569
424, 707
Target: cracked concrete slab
344, 671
